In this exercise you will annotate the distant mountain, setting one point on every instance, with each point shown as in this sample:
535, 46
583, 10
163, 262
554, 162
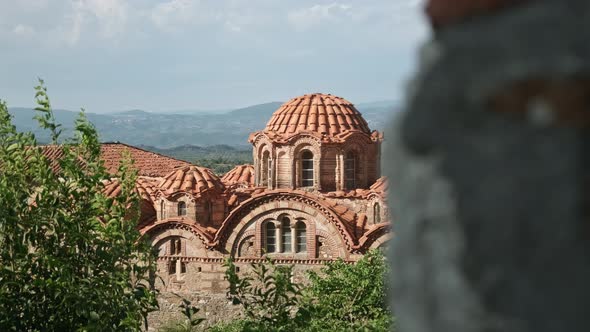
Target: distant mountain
164, 130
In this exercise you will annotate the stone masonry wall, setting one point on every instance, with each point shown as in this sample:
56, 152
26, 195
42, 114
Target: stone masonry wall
491, 171
207, 292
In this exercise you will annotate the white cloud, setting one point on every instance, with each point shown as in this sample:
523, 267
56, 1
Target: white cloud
23, 30
110, 15
169, 15
32, 5
307, 18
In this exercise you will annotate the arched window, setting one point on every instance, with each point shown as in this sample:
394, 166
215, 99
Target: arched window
181, 208
265, 168
286, 234
377, 213
350, 171
271, 237
301, 236
307, 169
162, 210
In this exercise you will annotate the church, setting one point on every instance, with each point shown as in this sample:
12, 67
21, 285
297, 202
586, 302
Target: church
314, 194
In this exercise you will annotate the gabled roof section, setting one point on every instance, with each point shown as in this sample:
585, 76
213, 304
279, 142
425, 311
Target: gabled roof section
147, 163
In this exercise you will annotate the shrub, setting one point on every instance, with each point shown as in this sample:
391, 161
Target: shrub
342, 297
70, 257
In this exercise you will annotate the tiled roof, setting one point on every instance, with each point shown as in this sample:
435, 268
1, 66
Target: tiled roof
147, 163
320, 113
54, 153
241, 174
192, 179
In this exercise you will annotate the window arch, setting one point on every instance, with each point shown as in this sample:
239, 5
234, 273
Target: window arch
377, 213
181, 208
300, 237
286, 235
271, 237
307, 169
350, 170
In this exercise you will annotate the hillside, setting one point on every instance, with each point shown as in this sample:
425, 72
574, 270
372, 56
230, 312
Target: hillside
168, 130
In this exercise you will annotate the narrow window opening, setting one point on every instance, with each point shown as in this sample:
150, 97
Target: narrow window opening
271, 237
181, 208
265, 169
301, 235
377, 213
175, 246
162, 210
286, 234
307, 169
350, 171
172, 267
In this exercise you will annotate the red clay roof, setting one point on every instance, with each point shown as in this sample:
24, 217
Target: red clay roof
321, 113
241, 174
191, 179
147, 163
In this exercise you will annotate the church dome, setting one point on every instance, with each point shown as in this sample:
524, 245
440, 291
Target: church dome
324, 114
191, 179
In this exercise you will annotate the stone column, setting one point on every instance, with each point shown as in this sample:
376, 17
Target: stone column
340, 171
279, 238
490, 171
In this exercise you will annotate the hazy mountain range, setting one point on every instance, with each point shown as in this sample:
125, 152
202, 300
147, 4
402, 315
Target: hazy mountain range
200, 128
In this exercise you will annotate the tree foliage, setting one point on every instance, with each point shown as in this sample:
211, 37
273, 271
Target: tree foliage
349, 297
70, 257
341, 297
269, 296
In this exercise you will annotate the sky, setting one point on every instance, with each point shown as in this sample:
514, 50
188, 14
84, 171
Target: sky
167, 55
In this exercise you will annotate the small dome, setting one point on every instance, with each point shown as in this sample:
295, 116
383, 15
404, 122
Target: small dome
241, 174
321, 113
145, 187
191, 179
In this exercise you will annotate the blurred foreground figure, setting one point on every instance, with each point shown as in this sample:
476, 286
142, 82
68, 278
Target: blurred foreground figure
491, 171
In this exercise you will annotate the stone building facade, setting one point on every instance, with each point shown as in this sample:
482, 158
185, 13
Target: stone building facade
313, 194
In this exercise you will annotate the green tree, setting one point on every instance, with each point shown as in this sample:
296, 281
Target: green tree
348, 297
70, 257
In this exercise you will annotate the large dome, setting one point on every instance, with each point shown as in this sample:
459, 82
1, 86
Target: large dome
321, 113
